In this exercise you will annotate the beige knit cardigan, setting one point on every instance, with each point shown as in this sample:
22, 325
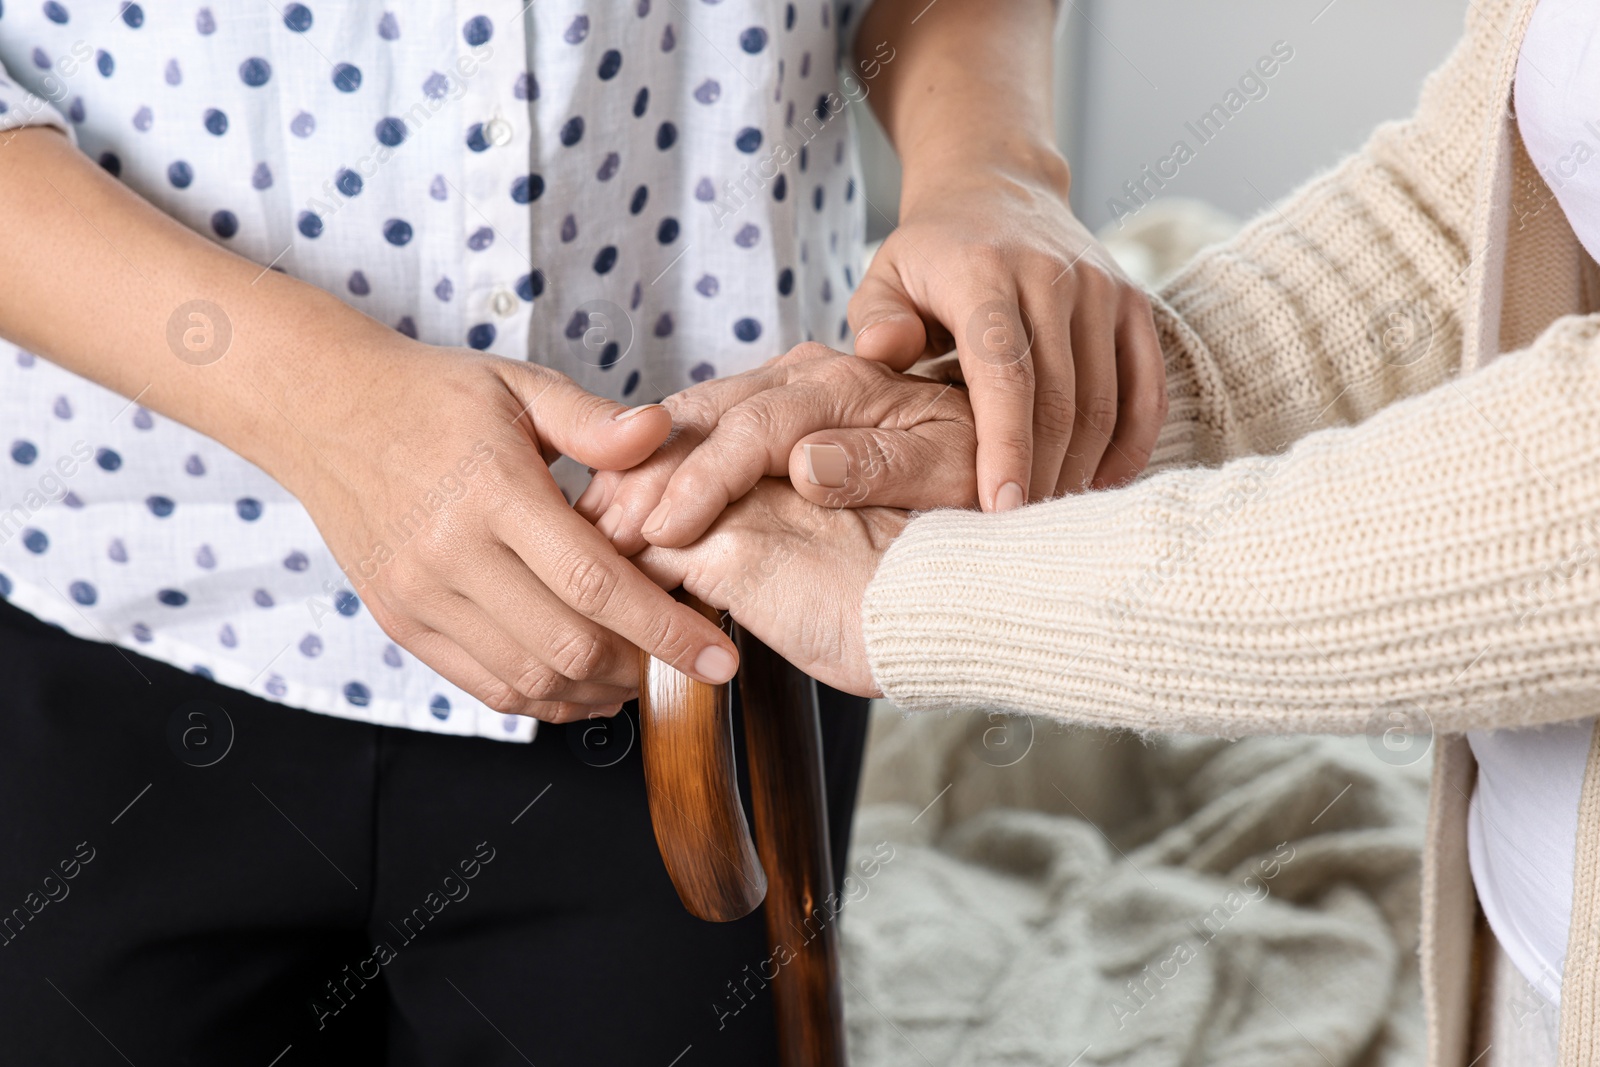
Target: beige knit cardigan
1376, 500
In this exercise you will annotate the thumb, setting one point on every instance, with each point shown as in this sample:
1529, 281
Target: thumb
887, 325
596, 432
931, 465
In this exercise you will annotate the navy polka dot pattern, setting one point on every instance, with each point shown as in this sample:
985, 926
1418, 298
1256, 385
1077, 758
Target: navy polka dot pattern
255, 71
699, 152
346, 78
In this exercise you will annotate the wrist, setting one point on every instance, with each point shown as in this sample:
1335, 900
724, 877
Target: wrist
306, 386
931, 172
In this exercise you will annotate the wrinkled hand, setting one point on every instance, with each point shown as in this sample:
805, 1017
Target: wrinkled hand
429, 482
791, 572
1060, 352
847, 432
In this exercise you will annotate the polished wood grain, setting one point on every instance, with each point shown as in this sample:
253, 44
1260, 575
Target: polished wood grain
686, 740
686, 735
783, 738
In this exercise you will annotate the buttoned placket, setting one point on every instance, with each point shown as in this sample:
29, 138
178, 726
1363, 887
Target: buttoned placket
496, 232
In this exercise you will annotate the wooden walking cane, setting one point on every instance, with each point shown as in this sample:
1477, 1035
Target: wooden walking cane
686, 737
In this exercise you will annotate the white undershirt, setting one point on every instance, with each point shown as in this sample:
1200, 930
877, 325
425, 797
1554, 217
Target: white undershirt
1522, 826
1522, 831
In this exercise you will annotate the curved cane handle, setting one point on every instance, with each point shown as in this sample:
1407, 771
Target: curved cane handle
686, 740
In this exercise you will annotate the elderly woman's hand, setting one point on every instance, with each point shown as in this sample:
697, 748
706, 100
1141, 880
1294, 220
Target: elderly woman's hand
848, 432
792, 573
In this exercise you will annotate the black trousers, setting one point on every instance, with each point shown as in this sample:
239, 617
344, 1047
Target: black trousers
190, 875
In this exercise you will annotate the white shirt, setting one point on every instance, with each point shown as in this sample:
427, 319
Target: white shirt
1522, 825
479, 174
1522, 832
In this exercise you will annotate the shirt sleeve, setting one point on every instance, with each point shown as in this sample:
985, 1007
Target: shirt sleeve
848, 15
20, 108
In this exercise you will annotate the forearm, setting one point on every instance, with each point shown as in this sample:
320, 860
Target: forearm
1440, 557
94, 278
969, 86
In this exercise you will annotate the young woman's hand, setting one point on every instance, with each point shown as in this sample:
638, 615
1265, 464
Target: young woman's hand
792, 573
424, 468
1058, 347
435, 496
847, 433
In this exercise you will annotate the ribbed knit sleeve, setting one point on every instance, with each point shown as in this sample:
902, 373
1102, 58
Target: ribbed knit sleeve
1344, 297
1441, 557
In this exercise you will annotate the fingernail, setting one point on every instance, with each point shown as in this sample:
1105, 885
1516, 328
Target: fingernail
826, 465
609, 521
590, 495
624, 416
657, 518
1010, 496
715, 663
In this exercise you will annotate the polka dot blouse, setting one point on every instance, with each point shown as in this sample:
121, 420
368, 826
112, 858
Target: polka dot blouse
642, 194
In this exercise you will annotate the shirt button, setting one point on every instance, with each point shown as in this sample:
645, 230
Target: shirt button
499, 132
503, 303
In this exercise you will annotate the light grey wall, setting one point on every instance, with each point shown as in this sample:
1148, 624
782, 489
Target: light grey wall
1147, 67
1131, 73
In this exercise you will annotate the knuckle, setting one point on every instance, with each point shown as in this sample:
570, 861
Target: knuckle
855, 373
698, 484
1137, 454
998, 335
1150, 402
440, 537
1094, 281
989, 260
1100, 413
668, 638
806, 351
752, 423
409, 583
587, 583
1158, 404
557, 714
1052, 412
1011, 379
537, 681
498, 696
1058, 267
1016, 442
690, 408
581, 656
550, 711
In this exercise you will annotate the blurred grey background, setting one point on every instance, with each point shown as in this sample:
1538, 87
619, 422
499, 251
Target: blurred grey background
1131, 73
